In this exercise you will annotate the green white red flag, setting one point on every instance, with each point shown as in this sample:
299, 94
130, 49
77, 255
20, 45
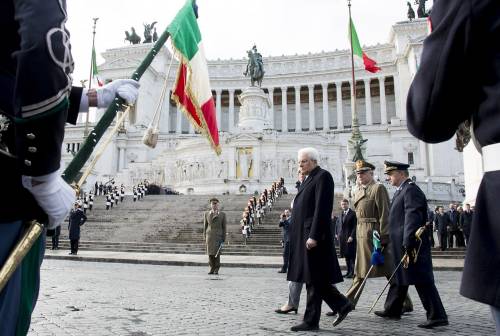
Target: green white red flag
370, 64
192, 91
95, 74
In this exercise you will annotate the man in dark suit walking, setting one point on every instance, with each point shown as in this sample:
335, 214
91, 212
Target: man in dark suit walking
313, 259
461, 50
347, 236
408, 213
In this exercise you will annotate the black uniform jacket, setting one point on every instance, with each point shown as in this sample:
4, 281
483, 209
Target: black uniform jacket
34, 98
347, 225
459, 79
407, 214
312, 209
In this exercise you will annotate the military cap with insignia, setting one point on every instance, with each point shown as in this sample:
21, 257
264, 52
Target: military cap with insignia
390, 166
214, 200
362, 165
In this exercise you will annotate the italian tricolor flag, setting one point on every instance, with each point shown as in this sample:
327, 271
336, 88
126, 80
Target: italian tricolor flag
370, 65
192, 91
95, 73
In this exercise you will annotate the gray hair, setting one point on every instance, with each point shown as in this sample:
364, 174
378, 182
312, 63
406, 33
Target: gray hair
312, 153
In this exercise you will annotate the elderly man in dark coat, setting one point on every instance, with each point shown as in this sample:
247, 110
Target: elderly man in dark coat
408, 213
76, 219
463, 48
347, 236
312, 255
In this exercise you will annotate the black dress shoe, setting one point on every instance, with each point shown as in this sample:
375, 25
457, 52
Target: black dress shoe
216, 272
346, 309
211, 272
387, 315
286, 311
331, 313
282, 271
429, 324
304, 327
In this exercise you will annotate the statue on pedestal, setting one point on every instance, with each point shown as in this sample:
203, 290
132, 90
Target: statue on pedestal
255, 66
148, 36
132, 37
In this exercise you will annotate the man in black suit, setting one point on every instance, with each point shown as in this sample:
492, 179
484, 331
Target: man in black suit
463, 48
443, 224
408, 213
285, 225
454, 227
347, 236
313, 259
466, 221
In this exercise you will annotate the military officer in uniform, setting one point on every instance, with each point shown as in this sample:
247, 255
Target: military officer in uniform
36, 100
463, 48
214, 233
371, 202
408, 213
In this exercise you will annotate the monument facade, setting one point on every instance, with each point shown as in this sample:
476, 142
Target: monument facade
303, 100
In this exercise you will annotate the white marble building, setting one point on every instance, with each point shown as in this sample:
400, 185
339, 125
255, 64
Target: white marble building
309, 105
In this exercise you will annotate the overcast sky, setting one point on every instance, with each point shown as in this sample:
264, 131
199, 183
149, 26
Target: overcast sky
230, 27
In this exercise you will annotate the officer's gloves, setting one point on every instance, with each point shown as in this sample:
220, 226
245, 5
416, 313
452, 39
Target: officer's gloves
52, 194
128, 89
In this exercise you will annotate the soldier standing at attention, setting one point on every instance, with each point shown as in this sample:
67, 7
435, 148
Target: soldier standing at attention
371, 202
459, 51
214, 233
407, 215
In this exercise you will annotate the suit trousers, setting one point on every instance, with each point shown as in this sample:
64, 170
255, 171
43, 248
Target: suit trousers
316, 294
443, 241
429, 297
294, 290
214, 263
389, 301
286, 256
350, 265
74, 245
55, 241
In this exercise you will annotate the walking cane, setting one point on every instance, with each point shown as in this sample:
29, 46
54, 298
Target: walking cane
376, 237
405, 261
220, 248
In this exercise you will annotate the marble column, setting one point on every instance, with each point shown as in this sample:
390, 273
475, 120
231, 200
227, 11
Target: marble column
165, 116
284, 114
298, 114
368, 102
218, 107
271, 108
121, 160
340, 113
312, 117
326, 117
231, 110
179, 121
383, 101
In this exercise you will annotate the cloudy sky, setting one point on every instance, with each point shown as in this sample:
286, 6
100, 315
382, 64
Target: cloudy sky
230, 27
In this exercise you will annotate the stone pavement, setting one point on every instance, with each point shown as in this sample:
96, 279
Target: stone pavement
182, 259
89, 298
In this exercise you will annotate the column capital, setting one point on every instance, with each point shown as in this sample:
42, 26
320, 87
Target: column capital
231, 91
367, 80
310, 87
381, 78
338, 83
324, 86
284, 88
218, 91
270, 89
297, 87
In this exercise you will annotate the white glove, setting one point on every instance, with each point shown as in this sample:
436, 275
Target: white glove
53, 195
128, 89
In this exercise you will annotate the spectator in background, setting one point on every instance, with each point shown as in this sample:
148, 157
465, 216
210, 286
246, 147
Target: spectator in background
76, 219
347, 236
285, 225
466, 222
443, 225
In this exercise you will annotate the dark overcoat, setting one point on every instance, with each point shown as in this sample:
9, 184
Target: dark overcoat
312, 209
214, 230
407, 214
347, 224
463, 48
76, 219
443, 223
466, 221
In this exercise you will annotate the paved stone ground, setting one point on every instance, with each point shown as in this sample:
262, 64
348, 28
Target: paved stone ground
86, 298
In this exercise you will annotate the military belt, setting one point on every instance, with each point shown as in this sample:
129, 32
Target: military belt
367, 220
491, 157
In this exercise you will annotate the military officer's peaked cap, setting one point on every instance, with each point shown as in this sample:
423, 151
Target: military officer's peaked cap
362, 166
390, 166
214, 200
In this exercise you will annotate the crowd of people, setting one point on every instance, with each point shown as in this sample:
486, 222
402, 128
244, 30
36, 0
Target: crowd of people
256, 209
454, 223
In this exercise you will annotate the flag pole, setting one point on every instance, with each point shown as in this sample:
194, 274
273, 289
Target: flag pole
356, 134
86, 131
